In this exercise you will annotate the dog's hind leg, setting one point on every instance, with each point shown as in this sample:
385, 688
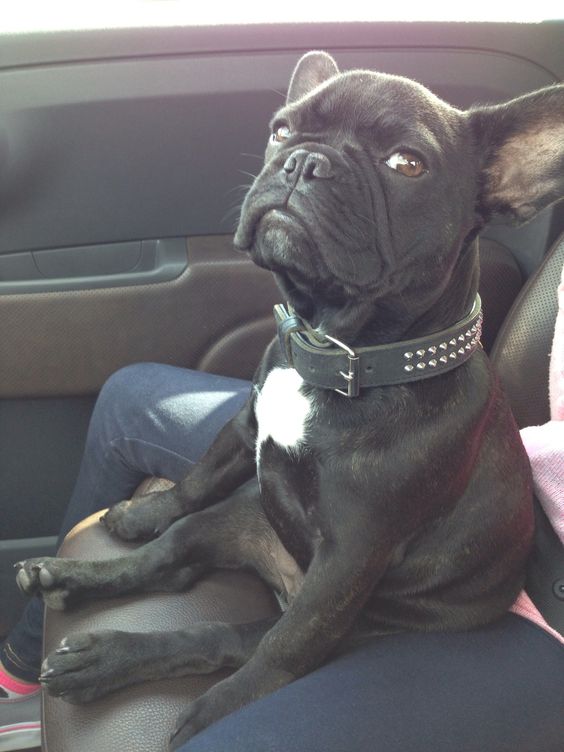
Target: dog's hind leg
89, 665
233, 534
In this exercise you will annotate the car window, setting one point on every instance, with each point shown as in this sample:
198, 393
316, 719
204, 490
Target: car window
40, 16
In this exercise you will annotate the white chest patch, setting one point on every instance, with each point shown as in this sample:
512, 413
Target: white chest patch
282, 410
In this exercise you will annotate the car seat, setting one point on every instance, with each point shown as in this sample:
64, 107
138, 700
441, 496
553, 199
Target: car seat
141, 717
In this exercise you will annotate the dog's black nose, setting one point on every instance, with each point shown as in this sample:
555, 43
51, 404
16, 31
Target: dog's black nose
309, 165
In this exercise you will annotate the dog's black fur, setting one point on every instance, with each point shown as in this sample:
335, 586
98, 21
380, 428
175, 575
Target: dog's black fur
407, 508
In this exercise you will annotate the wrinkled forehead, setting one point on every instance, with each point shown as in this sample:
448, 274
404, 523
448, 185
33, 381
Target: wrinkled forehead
395, 109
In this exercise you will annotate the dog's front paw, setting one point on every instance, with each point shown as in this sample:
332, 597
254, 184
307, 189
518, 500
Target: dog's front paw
88, 665
251, 682
195, 718
125, 521
144, 517
46, 577
221, 699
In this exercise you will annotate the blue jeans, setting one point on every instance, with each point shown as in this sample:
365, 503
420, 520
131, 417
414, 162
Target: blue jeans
149, 419
496, 689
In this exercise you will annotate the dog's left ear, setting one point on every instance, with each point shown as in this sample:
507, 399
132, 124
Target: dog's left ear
522, 147
312, 69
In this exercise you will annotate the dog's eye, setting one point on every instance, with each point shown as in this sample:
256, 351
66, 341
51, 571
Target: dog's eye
406, 163
281, 133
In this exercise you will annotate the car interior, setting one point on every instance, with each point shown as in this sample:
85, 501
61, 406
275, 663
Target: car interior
124, 156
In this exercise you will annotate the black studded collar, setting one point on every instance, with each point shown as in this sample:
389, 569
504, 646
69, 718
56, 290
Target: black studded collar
328, 363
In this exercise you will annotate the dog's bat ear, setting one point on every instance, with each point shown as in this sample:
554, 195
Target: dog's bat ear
312, 69
522, 150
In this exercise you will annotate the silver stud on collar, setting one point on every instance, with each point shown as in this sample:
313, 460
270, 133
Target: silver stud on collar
461, 344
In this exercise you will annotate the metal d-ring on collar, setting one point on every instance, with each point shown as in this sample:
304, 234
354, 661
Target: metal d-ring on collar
326, 362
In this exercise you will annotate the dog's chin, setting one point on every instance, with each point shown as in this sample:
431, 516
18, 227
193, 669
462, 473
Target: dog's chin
281, 244
255, 223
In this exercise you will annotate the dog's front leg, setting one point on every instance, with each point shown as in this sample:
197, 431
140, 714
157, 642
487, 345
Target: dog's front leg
88, 665
160, 565
334, 591
232, 534
228, 463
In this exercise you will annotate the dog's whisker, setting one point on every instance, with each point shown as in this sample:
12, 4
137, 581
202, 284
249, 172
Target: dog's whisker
243, 187
231, 215
255, 156
249, 174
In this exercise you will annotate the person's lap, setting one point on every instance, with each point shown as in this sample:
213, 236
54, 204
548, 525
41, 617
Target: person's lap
495, 689
149, 419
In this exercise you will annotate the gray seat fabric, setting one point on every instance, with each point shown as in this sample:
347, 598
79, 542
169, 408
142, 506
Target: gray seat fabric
500, 282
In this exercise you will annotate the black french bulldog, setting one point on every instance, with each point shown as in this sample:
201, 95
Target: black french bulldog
376, 478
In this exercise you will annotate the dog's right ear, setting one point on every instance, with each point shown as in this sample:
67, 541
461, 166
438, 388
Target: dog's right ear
312, 69
521, 145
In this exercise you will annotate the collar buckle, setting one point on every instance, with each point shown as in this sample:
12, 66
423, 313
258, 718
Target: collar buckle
352, 376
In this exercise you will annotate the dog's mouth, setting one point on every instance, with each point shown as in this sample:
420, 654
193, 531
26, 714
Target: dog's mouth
279, 240
281, 243
282, 220
316, 234
259, 217
324, 252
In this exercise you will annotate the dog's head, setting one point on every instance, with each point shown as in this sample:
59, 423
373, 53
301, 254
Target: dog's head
374, 189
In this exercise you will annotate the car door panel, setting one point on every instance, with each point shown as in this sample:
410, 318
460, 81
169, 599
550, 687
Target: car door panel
92, 267
130, 150
68, 343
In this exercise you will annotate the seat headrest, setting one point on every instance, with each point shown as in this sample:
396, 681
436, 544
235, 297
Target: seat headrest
521, 353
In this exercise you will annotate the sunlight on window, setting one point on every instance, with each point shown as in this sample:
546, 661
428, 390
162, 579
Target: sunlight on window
59, 15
